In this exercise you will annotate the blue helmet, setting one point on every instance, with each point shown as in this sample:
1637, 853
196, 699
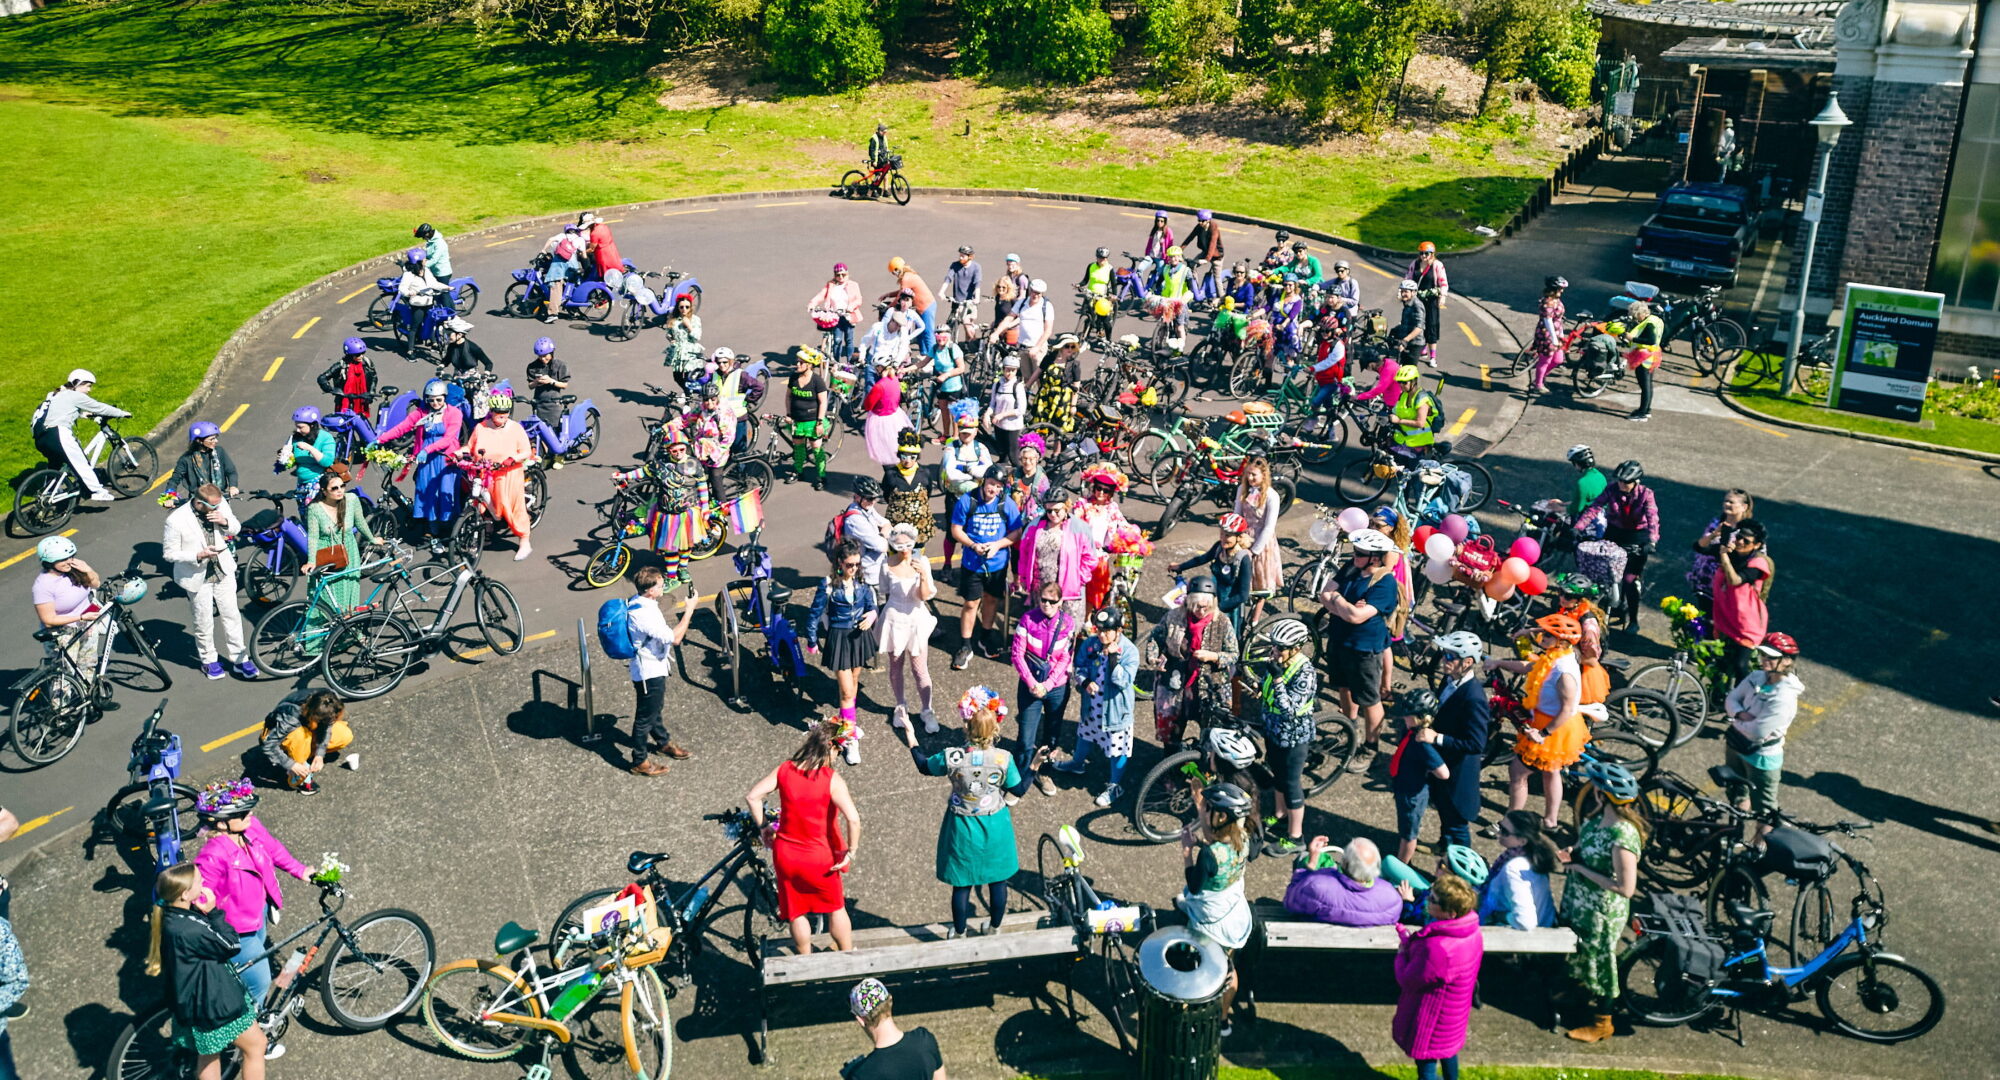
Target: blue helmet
544, 346
305, 414
202, 429
354, 346
414, 256
435, 388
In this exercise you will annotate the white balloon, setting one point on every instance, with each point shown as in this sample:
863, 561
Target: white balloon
1353, 519
1439, 547
1438, 570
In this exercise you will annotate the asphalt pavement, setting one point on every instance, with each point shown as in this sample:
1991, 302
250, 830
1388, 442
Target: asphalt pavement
476, 802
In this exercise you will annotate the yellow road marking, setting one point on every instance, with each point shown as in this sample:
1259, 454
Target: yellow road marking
1379, 270
697, 210
235, 416
157, 481
968, 202
273, 369
1485, 377
509, 240
1464, 418
302, 330
483, 651
355, 293
1055, 206
1947, 464
1128, 213
1762, 428
17, 558
232, 737
1469, 335
795, 202
613, 221
36, 823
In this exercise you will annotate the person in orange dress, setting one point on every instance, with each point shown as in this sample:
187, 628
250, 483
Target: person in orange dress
1556, 733
805, 841
499, 439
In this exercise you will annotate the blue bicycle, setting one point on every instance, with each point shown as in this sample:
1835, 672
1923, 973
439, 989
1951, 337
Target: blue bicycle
528, 296
645, 307
1677, 971
155, 808
574, 437
388, 309
755, 603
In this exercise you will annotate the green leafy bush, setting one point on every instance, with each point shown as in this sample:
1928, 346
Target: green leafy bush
1186, 40
1067, 41
1974, 400
1562, 57
1338, 60
824, 44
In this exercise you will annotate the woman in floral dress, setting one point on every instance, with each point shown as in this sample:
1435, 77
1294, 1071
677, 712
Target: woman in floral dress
1603, 875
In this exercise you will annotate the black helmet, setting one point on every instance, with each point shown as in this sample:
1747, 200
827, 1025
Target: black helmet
1227, 798
1201, 585
1001, 474
1283, 236
1106, 618
711, 392
1629, 472
1554, 281
1417, 702
867, 488
1581, 457
1298, 245
1103, 253
965, 249
424, 231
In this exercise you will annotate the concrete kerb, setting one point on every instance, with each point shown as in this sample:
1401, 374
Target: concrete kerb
1863, 436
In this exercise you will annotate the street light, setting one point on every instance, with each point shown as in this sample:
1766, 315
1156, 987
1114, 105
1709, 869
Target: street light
1827, 126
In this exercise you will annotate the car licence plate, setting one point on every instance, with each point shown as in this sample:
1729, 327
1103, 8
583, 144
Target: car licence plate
1680, 266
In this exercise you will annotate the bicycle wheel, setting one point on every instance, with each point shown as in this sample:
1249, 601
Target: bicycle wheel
1523, 360
457, 998
1585, 384
626, 327
572, 915
380, 308
125, 812
758, 476
732, 643
47, 716
1166, 473
1814, 381
141, 644
1753, 368
468, 536
850, 183
1646, 714
1620, 748
1680, 685
1121, 994
1716, 344
1243, 373
499, 616
1163, 803
1814, 922
1482, 484
1864, 996
367, 655
899, 190
760, 916
290, 637
517, 301
1171, 515
260, 582
535, 493
1652, 991
145, 1051
132, 466
45, 501
1361, 482
1737, 883
646, 1026
1324, 437
374, 972
1333, 744
1057, 890
607, 565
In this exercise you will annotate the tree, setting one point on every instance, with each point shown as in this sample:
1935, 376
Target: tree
1562, 58
824, 44
1063, 40
1186, 40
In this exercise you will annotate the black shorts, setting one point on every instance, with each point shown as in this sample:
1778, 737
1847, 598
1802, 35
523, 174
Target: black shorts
1358, 673
1432, 320
976, 585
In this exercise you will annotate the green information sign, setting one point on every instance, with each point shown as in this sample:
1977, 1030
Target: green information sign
1887, 337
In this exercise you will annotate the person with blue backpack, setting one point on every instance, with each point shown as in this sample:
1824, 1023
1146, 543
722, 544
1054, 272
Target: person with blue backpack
637, 631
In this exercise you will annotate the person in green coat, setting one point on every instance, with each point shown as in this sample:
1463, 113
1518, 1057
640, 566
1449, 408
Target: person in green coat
976, 839
336, 519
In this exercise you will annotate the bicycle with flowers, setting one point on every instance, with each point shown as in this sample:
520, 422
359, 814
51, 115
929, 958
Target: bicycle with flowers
1128, 548
1693, 678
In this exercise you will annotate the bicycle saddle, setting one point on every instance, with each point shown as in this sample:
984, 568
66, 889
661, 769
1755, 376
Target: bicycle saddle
1724, 775
45, 635
1449, 607
567, 399
388, 392
1751, 918
1622, 663
513, 937
641, 861
779, 594
386, 574
159, 806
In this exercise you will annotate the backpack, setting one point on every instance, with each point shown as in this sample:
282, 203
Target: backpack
614, 629
836, 531
1437, 410
565, 249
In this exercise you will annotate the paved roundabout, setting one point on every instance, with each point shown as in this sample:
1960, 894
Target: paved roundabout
478, 806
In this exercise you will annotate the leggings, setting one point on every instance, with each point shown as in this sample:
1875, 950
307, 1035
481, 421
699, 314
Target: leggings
1737, 660
1645, 375
1438, 1069
920, 663
961, 904
1545, 363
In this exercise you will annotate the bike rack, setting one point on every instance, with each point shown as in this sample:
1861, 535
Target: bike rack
591, 733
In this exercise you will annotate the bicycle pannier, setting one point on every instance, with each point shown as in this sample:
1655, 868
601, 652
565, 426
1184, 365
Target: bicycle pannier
1797, 854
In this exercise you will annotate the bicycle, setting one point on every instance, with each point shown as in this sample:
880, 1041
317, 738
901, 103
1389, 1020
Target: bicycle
755, 603
382, 311
1304, 583
155, 807
478, 518
877, 180
1608, 742
52, 704
1096, 317
289, 638
369, 651
1799, 852
374, 970
1690, 679
1100, 925
1365, 479
1212, 473
47, 498
271, 549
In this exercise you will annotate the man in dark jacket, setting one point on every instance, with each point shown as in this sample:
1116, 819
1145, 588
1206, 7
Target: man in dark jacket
461, 353
1464, 724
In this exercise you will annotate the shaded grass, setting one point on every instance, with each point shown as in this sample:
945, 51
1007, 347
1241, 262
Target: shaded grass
208, 157
1945, 429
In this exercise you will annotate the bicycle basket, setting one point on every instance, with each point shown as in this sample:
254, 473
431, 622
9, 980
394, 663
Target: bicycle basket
1797, 854
1601, 561
896, 162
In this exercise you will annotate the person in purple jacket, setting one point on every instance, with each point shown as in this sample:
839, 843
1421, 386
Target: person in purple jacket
1437, 970
1352, 894
1631, 519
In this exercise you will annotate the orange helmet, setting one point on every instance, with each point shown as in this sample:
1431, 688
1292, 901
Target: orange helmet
897, 265
1427, 246
1561, 626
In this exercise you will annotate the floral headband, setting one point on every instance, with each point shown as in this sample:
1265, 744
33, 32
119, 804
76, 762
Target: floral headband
981, 697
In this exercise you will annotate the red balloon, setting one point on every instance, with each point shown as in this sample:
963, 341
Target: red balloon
1422, 533
1537, 583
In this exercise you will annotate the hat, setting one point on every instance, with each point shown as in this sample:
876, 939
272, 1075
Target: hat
587, 219
1012, 361
1031, 441
1371, 542
867, 996
839, 268
968, 421
1342, 264
1106, 618
457, 325
1038, 285
1201, 585
909, 442
980, 697
1408, 284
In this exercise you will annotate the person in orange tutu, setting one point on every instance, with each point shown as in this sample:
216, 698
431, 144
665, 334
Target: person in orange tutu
1557, 733
499, 439
806, 847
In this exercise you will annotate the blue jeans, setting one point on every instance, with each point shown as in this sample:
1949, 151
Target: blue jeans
930, 331
7, 1070
1431, 1069
843, 339
1034, 710
256, 977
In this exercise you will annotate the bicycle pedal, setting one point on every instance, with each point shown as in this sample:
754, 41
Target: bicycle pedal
537, 1072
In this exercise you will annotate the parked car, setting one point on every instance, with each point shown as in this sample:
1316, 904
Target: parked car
1699, 231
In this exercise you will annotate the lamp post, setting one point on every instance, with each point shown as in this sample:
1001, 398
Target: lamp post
1827, 125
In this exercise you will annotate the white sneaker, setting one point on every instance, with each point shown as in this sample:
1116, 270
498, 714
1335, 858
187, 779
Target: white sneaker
103, 496
351, 762
1110, 795
273, 1051
525, 551
853, 753
930, 722
900, 719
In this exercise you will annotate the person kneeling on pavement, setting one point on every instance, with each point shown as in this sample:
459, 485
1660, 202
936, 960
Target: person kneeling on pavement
1350, 894
305, 729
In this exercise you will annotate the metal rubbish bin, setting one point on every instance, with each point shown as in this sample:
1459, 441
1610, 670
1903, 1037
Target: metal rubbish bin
1181, 978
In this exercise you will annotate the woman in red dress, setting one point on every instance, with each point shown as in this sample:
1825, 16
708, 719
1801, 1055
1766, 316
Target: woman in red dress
806, 847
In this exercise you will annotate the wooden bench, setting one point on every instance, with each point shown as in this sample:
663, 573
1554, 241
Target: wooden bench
891, 950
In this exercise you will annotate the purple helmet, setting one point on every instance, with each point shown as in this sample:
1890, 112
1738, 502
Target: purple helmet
544, 346
1203, 215
202, 429
354, 346
305, 414
1159, 213
414, 256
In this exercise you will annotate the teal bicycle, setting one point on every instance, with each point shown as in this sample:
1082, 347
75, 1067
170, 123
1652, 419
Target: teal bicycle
289, 638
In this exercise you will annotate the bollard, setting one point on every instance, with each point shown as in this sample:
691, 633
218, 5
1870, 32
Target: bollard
1181, 977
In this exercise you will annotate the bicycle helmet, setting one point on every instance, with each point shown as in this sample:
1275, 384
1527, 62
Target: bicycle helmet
424, 231
1406, 285
1159, 215
1013, 258
79, 375
436, 388
305, 414
867, 488
544, 346
414, 257
1561, 626
1408, 373
1201, 585
501, 402
354, 346
710, 392
1289, 634
1174, 252
1106, 618
965, 249
1427, 246
897, 265
809, 355
226, 798
54, 549
1235, 523
1371, 542
1232, 746
1461, 645
1000, 474
1298, 245
1342, 264
1283, 236
1575, 584
1614, 780
1629, 472
202, 429
1225, 796
1581, 456
1466, 863
1777, 644
1204, 215
1555, 281
723, 355
1103, 253
1417, 702
127, 590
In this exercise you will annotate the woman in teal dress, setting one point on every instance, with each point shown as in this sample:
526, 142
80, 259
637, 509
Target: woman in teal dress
1603, 874
335, 518
976, 839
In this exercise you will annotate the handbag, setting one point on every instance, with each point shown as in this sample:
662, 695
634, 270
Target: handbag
1476, 560
333, 556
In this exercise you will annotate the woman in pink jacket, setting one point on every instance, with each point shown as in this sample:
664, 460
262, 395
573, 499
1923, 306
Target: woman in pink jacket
1057, 548
1437, 970
240, 863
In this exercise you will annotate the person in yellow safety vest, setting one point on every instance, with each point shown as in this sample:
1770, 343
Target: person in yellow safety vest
1097, 274
1412, 415
1174, 281
1644, 340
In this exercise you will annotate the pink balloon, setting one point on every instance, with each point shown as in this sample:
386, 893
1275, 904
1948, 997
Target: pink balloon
1499, 588
1438, 570
1353, 519
1537, 583
1527, 549
1439, 547
1455, 527
1515, 570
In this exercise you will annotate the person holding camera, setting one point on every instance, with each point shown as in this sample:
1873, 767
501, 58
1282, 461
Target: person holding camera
196, 548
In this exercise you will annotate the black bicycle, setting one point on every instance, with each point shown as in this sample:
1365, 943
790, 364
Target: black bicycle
1101, 926
51, 705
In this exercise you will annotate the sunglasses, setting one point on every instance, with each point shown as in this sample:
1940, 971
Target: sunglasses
1051, 601
850, 566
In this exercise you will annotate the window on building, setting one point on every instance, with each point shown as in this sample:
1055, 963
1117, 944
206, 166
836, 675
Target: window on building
1967, 270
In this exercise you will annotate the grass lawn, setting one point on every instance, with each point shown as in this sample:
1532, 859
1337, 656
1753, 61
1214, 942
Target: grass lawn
1407, 1072
203, 159
1762, 397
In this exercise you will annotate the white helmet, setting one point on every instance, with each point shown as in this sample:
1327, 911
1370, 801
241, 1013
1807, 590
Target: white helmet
1289, 633
724, 353
54, 549
1232, 746
1370, 541
1038, 285
80, 375
1408, 284
1461, 645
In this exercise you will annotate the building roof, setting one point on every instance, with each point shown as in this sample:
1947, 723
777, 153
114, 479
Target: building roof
1814, 18
1746, 53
